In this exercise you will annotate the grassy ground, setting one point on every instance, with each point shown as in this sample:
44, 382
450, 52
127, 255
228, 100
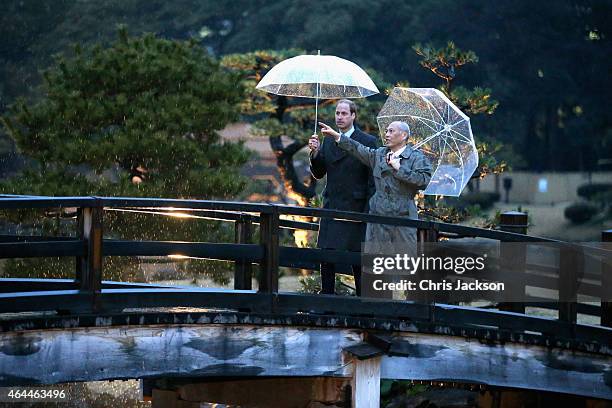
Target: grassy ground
548, 221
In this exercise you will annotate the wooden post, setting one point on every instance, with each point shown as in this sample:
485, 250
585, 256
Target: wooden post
606, 282
514, 257
268, 238
89, 268
365, 384
570, 261
243, 271
424, 237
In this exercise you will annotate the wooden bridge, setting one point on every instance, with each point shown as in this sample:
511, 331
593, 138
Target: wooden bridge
86, 328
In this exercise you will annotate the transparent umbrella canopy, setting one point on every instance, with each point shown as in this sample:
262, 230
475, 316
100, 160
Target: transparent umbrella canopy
440, 130
318, 76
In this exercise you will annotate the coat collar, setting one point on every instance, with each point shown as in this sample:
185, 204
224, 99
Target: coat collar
407, 152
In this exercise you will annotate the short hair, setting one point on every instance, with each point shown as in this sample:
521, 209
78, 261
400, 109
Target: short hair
352, 105
403, 126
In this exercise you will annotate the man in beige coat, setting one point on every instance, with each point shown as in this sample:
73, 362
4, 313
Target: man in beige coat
399, 172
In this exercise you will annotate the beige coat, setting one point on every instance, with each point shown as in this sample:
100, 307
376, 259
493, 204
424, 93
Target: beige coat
395, 190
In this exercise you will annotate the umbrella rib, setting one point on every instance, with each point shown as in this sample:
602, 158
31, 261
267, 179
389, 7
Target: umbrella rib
442, 155
411, 117
434, 108
443, 151
422, 142
460, 160
463, 138
458, 122
422, 119
456, 140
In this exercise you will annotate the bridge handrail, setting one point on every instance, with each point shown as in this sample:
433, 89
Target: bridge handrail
13, 202
268, 253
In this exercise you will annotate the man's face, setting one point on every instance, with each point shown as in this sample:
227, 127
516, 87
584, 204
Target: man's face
394, 137
344, 117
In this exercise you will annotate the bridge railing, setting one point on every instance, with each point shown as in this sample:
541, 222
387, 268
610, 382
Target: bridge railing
89, 293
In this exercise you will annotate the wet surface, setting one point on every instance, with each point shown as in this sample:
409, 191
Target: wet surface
20, 345
221, 347
406, 348
569, 362
9, 380
249, 350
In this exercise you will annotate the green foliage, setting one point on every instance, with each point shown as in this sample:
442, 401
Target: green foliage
547, 65
597, 195
143, 109
589, 191
445, 63
394, 393
312, 284
137, 118
579, 213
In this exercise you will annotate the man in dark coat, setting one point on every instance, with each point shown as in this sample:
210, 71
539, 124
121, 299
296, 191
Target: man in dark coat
349, 187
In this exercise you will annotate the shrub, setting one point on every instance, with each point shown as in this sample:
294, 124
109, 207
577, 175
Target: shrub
589, 191
580, 212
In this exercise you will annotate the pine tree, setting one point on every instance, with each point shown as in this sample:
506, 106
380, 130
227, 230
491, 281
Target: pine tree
138, 118
445, 63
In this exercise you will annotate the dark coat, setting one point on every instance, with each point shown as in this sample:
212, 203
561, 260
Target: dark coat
349, 187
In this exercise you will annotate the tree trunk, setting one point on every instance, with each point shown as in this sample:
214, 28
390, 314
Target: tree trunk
298, 190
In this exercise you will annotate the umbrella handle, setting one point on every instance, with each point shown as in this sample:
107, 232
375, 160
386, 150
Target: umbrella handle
316, 111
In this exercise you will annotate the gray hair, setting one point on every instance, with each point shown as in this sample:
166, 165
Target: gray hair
403, 126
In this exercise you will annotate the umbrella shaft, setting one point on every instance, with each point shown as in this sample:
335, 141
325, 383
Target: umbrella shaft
316, 111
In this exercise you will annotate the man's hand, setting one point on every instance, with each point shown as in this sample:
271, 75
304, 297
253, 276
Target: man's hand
329, 131
313, 144
393, 161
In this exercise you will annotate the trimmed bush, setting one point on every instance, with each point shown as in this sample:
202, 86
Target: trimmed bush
589, 191
580, 212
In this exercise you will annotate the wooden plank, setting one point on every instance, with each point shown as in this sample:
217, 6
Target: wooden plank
209, 250
316, 255
129, 202
13, 285
213, 347
42, 249
351, 306
196, 351
498, 365
32, 238
366, 383
46, 202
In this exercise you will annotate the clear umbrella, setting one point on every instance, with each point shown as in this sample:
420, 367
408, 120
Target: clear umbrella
440, 130
318, 76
